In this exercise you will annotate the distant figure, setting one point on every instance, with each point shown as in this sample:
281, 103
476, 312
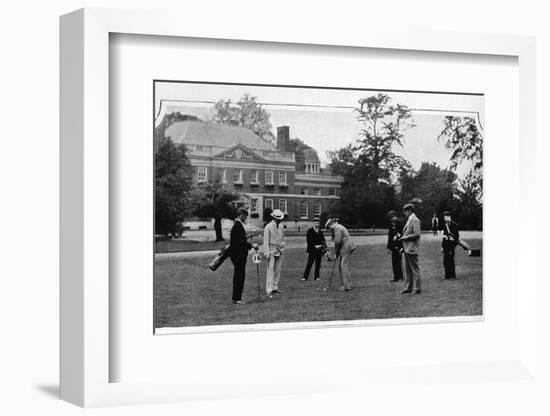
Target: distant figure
451, 238
395, 246
316, 245
274, 243
411, 245
238, 249
435, 224
343, 248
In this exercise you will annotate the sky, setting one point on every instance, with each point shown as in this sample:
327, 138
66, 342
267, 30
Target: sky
324, 119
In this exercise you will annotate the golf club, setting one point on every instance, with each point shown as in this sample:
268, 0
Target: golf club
331, 275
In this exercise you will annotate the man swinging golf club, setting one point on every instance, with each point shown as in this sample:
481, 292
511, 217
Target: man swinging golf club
343, 248
274, 244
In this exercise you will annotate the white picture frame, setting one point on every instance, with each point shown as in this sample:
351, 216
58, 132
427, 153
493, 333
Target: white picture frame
85, 264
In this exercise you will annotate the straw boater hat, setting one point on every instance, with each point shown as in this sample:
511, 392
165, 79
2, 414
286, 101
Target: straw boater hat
278, 214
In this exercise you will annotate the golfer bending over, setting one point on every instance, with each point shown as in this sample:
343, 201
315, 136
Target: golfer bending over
343, 247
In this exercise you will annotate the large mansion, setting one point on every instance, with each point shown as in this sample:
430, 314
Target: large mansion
266, 176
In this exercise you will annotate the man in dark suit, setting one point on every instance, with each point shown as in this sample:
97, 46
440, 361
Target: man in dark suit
238, 249
450, 240
316, 245
395, 246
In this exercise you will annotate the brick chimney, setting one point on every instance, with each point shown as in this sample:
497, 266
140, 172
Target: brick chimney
283, 137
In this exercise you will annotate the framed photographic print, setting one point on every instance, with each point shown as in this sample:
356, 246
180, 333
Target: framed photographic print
230, 203
315, 180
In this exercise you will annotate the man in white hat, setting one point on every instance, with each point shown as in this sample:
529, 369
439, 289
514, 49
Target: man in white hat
274, 244
343, 247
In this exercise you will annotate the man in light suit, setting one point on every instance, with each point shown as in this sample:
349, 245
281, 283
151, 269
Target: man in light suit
343, 248
411, 246
274, 244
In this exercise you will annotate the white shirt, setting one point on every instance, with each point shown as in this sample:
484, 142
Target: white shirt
274, 238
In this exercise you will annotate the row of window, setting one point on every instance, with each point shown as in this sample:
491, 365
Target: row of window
283, 206
317, 191
202, 176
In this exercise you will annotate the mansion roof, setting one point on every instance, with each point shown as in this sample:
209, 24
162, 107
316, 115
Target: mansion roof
211, 134
206, 139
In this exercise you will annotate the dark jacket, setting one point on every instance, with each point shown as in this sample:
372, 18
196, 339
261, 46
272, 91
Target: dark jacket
394, 233
313, 239
450, 235
238, 243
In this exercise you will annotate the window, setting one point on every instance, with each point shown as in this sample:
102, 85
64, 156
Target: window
282, 205
303, 191
269, 203
254, 176
224, 175
253, 205
317, 209
304, 210
202, 174
332, 192
282, 178
269, 177
238, 176
317, 191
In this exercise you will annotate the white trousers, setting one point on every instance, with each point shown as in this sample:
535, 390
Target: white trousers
273, 273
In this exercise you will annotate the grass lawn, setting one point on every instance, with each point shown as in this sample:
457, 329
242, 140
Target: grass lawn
188, 294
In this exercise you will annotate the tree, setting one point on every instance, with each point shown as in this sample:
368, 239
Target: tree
435, 187
172, 186
470, 193
463, 138
248, 113
213, 200
383, 127
364, 200
370, 166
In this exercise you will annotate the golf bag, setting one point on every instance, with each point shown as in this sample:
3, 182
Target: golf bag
222, 255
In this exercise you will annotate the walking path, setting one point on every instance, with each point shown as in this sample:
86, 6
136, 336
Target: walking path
299, 242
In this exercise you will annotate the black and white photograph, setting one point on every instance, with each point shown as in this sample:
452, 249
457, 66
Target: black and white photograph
279, 204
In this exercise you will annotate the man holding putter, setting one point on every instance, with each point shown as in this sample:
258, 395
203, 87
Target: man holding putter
343, 248
274, 244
